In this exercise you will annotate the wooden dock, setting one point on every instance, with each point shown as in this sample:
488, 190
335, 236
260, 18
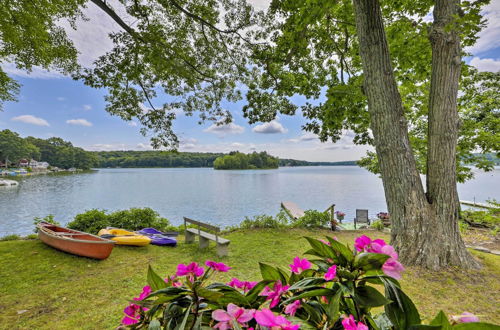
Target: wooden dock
479, 205
292, 209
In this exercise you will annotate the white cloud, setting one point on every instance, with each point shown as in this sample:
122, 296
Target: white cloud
29, 119
489, 37
79, 122
36, 72
87, 107
144, 146
60, 99
132, 124
486, 64
222, 130
306, 137
108, 147
271, 127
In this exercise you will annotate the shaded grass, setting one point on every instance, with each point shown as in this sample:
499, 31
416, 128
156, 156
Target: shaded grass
60, 291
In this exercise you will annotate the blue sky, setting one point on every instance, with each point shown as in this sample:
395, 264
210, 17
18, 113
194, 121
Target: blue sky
52, 105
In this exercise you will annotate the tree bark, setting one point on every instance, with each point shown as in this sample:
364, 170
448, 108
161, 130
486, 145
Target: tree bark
424, 233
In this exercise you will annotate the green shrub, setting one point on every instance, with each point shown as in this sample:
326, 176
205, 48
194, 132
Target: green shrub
312, 219
31, 236
378, 225
264, 221
49, 219
134, 219
463, 226
90, 221
12, 237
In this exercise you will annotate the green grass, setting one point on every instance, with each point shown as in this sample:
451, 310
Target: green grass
60, 291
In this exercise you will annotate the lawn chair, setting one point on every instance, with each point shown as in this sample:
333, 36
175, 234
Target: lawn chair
361, 217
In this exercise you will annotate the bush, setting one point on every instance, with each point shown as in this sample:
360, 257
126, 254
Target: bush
312, 219
90, 221
264, 221
12, 237
134, 219
378, 225
31, 236
49, 219
338, 288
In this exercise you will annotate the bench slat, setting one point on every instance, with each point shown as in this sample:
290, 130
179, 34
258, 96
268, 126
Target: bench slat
202, 224
209, 236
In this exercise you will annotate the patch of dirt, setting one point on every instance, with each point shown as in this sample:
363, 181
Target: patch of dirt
482, 237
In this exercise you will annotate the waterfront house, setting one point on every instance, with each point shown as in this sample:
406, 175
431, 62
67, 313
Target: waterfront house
24, 163
38, 165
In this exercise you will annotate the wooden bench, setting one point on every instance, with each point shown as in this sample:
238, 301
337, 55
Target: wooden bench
205, 237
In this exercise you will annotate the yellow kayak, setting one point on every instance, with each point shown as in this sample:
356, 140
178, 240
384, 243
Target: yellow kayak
124, 237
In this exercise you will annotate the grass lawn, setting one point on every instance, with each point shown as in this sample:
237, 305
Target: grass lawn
42, 288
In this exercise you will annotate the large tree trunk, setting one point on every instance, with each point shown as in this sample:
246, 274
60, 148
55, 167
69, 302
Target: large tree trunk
419, 234
442, 137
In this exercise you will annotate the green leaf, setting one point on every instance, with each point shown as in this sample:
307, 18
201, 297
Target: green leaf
154, 280
270, 273
154, 325
321, 248
233, 297
168, 291
333, 309
306, 283
441, 320
342, 249
370, 261
304, 325
182, 326
253, 294
311, 293
209, 294
367, 296
401, 311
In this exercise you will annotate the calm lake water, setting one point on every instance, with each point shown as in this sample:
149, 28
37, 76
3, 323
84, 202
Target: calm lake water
219, 197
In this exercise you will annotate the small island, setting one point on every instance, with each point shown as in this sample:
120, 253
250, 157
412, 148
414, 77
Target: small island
240, 161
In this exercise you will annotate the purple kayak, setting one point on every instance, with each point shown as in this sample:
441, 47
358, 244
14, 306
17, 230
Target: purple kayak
160, 238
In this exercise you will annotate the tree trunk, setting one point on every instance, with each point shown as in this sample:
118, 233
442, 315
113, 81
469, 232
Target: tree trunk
418, 233
443, 123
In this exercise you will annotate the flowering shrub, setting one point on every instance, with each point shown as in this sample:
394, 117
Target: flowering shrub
340, 215
383, 216
334, 289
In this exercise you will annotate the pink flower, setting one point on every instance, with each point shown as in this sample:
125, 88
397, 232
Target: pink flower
173, 280
361, 242
275, 295
190, 270
325, 242
393, 268
331, 273
233, 314
292, 308
237, 284
465, 317
218, 266
299, 265
146, 291
349, 323
266, 318
132, 315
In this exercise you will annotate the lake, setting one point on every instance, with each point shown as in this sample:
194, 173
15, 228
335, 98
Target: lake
219, 197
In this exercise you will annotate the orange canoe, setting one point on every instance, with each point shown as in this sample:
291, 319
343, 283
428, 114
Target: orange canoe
74, 241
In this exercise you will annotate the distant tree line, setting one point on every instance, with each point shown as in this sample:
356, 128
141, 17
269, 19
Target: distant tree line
294, 162
240, 161
132, 158
54, 150
155, 159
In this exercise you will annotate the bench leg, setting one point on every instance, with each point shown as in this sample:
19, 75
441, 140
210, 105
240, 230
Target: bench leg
222, 250
189, 237
203, 242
